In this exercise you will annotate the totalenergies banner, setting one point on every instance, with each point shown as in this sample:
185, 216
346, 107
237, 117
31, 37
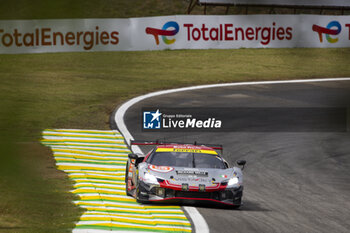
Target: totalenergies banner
174, 32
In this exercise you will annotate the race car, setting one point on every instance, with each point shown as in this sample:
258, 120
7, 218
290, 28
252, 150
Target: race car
186, 173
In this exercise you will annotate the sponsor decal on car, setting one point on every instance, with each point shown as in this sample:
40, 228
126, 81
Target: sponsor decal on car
160, 168
191, 179
182, 150
192, 172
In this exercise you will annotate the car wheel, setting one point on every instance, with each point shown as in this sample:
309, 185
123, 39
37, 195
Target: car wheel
237, 204
138, 194
236, 207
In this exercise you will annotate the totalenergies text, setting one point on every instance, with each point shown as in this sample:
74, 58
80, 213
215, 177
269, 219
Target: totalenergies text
47, 37
228, 32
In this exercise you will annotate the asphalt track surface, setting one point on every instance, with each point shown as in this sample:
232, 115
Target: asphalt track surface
294, 182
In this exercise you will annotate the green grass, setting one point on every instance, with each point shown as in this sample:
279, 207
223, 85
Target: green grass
80, 90
57, 9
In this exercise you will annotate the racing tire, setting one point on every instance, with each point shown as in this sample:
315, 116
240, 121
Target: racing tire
138, 194
237, 206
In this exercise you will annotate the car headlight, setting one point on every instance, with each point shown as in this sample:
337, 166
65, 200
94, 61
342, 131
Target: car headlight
232, 181
150, 179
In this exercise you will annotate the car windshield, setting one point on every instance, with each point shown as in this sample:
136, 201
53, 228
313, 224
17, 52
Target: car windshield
185, 159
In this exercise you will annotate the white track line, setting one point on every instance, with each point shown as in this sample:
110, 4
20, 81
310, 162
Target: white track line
199, 222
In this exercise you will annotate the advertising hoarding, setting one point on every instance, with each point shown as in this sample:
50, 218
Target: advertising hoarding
174, 32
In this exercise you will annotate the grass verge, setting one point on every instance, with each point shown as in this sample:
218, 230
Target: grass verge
58, 9
80, 90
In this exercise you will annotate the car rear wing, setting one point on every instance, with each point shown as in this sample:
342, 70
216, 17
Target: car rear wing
158, 142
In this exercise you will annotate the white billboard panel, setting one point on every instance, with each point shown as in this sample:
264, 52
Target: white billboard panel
174, 32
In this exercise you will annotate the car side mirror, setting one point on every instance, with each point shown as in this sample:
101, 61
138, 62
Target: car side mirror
136, 159
241, 163
133, 156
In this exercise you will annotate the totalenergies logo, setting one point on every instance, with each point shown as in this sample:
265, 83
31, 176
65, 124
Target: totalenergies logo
333, 28
164, 32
